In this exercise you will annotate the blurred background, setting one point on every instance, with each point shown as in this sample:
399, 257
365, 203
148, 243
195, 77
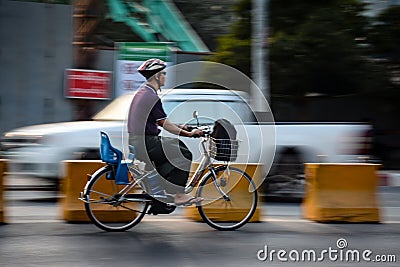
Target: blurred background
317, 62
321, 61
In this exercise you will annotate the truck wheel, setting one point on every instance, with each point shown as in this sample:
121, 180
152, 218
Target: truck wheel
89, 154
285, 181
290, 164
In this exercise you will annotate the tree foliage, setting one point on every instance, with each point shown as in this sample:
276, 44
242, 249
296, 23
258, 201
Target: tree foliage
234, 49
209, 18
314, 47
385, 34
384, 37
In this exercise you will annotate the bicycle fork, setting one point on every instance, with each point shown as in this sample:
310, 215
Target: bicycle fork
217, 186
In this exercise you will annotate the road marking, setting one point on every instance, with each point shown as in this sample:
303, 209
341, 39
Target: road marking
15, 221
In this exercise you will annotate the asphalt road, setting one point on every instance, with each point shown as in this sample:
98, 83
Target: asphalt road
183, 243
35, 236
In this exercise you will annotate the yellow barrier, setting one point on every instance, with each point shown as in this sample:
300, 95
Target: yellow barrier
341, 193
74, 179
254, 170
3, 169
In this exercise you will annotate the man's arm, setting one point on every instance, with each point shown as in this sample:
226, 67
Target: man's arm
173, 128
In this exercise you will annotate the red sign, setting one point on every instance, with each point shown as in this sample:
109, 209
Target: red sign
89, 84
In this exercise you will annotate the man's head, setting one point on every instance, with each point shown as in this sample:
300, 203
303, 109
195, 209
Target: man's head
152, 70
151, 67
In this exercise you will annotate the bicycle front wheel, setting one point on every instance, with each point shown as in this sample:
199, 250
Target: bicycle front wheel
105, 208
230, 198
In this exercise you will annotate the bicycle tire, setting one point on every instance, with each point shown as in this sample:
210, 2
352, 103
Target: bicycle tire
103, 209
223, 214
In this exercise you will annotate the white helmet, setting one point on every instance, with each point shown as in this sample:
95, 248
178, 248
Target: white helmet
151, 67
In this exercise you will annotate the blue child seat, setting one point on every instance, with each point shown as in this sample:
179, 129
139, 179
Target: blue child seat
113, 156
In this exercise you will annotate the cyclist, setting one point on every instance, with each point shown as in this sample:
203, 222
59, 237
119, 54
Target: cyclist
170, 156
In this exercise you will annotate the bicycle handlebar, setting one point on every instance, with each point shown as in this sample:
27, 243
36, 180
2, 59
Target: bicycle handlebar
204, 128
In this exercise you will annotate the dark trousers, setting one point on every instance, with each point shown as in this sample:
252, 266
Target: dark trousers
170, 156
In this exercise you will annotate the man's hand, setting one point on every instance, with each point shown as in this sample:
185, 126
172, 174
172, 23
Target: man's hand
196, 133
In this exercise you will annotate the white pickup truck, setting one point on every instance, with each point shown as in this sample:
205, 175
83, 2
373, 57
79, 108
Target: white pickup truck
37, 150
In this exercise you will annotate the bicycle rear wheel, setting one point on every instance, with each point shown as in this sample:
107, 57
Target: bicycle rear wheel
104, 207
233, 211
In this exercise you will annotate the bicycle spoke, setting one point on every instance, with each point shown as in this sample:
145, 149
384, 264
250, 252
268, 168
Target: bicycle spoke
99, 201
100, 193
132, 209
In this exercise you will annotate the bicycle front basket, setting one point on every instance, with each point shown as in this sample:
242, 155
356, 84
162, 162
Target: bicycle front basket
223, 149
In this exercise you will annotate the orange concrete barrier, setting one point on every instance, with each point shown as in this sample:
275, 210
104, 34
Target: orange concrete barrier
254, 170
74, 179
341, 193
3, 169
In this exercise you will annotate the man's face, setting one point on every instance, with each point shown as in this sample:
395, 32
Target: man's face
162, 77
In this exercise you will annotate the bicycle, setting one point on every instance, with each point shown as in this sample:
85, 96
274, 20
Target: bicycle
117, 199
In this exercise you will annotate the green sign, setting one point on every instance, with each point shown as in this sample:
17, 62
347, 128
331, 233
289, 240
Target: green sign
137, 51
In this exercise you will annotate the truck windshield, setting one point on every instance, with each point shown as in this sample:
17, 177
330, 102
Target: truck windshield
209, 111
117, 110
180, 110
